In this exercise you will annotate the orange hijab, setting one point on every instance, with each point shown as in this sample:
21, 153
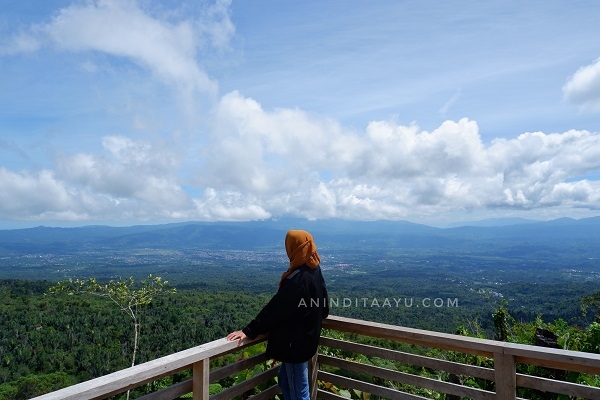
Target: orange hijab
301, 249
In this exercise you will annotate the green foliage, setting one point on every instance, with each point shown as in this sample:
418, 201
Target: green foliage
256, 370
502, 322
593, 302
570, 337
35, 385
85, 336
592, 343
121, 292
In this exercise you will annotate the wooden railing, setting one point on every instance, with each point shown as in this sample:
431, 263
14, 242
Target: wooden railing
505, 357
331, 369
196, 359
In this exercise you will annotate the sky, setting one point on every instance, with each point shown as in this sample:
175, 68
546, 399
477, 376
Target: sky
124, 112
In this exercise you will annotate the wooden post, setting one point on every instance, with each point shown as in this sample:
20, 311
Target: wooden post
200, 382
506, 376
313, 369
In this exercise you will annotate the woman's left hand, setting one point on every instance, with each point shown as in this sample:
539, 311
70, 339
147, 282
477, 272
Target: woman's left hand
237, 335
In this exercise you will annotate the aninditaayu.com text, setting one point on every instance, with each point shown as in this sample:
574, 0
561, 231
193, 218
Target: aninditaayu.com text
386, 302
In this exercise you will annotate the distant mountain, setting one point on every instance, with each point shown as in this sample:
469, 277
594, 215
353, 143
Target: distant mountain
490, 222
332, 233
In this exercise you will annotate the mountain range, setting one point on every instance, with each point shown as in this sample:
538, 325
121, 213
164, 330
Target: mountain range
260, 234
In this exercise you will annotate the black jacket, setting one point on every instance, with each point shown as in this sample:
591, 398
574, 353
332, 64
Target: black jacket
293, 316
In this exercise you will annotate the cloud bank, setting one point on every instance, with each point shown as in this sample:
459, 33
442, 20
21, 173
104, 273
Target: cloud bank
246, 162
276, 163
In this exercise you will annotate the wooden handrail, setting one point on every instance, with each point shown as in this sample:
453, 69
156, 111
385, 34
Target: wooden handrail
505, 356
129, 378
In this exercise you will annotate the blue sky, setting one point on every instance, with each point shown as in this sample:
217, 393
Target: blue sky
126, 112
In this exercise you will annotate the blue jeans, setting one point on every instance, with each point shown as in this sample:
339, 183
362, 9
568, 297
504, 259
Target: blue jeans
293, 381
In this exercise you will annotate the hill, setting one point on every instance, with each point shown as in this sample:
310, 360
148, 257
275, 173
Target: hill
331, 233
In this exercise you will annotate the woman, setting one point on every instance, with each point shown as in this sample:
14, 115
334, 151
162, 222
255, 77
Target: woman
293, 316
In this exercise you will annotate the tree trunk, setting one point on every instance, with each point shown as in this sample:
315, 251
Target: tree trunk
136, 335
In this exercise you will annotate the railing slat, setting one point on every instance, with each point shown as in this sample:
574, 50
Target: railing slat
200, 382
412, 359
324, 395
185, 387
554, 358
367, 387
506, 385
228, 370
560, 387
464, 344
246, 385
313, 369
171, 392
409, 379
267, 394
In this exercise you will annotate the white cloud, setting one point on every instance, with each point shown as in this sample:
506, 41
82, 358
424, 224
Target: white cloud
123, 29
400, 152
583, 193
266, 164
24, 194
216, 24
229, 206
23, 42
129, 181
295, 163
583, 88
129, 170
272, 151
